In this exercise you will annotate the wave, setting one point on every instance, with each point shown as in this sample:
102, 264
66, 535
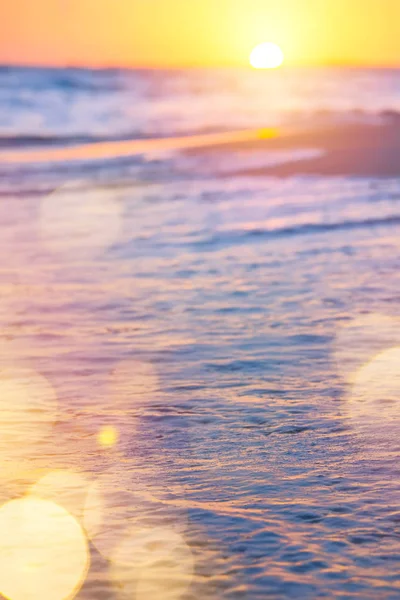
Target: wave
40, 141
61, 140
313, 121
254, 235
127, 148
72, 79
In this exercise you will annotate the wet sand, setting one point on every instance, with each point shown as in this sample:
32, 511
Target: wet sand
348, 149
125, 148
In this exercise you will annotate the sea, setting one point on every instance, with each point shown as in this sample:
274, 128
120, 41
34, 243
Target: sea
214, 356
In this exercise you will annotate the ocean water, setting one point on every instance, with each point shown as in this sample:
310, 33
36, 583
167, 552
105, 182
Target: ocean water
39, 106
216, 355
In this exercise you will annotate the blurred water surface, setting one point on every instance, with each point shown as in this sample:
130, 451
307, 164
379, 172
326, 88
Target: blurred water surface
53, 106
230, 333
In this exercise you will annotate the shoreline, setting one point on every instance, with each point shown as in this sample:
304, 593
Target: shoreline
365, 150
357, 150
127, 148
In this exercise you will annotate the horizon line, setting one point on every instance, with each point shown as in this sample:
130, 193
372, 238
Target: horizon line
179, 67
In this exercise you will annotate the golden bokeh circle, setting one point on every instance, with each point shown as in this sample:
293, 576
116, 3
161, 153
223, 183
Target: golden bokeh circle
373, 401
152, 564
119, 500
28, 411
80, 222
107, 436
43, 551
69, 489
358, 340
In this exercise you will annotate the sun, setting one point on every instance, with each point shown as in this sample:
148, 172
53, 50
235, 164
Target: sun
266, 56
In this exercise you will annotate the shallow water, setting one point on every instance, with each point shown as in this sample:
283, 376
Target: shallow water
235, 293
222, 327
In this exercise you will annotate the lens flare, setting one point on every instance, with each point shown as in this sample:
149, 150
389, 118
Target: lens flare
76, 222
43, 551
266, 56
28, 410
152, 564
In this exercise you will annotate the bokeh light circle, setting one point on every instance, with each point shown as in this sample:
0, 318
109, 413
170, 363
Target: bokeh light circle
118, 501
70, 490
358, 340
28, 411
43, 551
374, 395
266, 56
152, 564
79, 222
107, 436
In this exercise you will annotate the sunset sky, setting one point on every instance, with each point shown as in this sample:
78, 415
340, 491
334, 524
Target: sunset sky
198, 32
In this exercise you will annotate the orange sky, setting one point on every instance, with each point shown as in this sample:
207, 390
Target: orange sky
197, 32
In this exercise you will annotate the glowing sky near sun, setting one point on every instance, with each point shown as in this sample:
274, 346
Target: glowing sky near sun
198, 32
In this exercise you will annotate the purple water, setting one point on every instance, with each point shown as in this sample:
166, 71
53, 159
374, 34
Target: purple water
240, 334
